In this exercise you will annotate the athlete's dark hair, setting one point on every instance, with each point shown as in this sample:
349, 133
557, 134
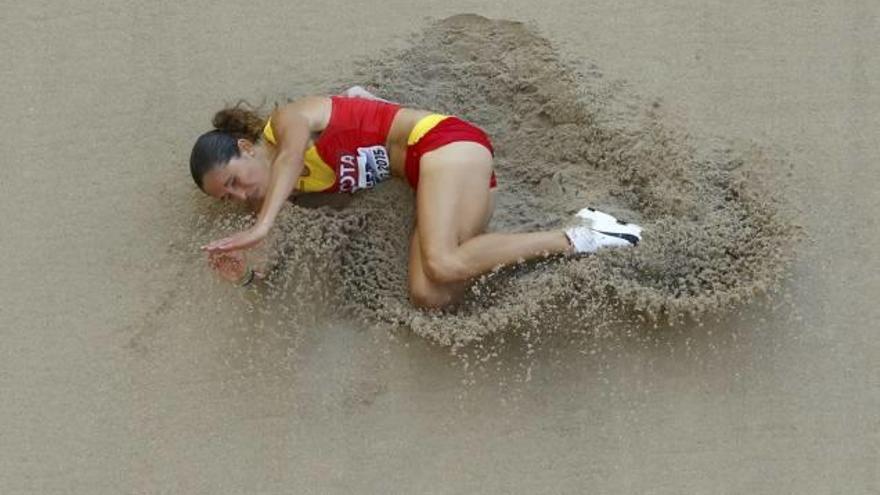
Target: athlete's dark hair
215, 148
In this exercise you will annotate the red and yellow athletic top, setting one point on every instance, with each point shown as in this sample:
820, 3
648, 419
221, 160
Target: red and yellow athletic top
350, 153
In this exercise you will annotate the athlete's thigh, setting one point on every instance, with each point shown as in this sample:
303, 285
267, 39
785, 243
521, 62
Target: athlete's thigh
453, 200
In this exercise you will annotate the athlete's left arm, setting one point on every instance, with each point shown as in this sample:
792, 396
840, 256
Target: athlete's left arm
361, 92
293, 125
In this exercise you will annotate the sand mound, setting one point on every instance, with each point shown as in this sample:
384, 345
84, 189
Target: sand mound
714, 236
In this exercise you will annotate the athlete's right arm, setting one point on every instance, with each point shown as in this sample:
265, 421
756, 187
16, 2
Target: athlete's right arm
292, 125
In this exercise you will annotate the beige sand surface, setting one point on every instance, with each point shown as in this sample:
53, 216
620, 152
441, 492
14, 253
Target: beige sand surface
114, 380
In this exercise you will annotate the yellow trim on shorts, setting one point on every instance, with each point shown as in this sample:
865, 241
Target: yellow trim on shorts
422, 127
321, 176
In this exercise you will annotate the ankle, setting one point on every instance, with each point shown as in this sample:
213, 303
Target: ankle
568, 245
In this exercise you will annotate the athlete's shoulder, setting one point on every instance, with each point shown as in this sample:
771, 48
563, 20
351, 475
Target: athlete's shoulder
313, 110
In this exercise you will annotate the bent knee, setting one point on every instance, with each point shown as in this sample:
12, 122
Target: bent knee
425, 298
444, 269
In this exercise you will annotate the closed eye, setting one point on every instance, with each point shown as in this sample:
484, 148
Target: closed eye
229, 182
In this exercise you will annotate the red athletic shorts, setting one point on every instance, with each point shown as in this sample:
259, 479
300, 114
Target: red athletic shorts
448, 130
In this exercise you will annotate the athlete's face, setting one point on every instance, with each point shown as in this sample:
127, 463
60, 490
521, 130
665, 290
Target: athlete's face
244, 179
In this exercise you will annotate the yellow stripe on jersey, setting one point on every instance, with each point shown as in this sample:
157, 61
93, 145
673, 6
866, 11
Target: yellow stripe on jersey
268, 133
321, 176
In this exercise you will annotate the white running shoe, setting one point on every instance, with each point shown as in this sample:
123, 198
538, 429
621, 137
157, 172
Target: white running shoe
597, 230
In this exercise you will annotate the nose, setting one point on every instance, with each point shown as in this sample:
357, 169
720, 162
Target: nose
238, 194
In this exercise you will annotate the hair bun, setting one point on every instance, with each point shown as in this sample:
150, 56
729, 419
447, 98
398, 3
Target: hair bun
239, 122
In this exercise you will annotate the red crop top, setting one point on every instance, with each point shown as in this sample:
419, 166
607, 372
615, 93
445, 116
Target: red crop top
350, 153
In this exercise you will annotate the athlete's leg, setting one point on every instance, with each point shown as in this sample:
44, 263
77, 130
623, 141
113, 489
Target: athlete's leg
424, 292
452, 206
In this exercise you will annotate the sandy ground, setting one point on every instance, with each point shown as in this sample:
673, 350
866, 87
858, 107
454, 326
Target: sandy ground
99, 394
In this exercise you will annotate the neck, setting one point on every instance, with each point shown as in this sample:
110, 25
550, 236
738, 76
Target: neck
269, 151
266, 150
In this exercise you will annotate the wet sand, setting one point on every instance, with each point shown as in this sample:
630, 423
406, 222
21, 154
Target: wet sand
129, 369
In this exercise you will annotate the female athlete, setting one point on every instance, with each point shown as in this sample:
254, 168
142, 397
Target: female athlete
350, 142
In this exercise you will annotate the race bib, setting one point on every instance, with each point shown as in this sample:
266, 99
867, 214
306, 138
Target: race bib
373, 165
369, 167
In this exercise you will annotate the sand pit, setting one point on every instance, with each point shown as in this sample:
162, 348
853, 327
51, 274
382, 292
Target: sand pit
716, 231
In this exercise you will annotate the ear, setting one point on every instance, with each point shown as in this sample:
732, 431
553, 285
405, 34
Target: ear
246, 147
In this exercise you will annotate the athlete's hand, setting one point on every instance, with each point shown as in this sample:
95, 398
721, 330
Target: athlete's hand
231, 266
361, 92
241, 240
